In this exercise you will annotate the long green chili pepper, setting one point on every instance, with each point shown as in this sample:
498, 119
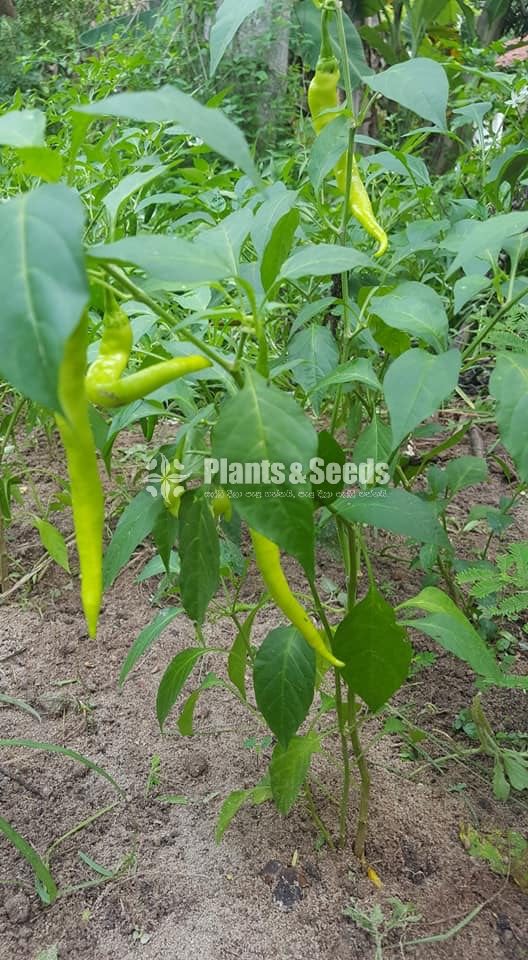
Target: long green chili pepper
104, 384
86, 490
323, 101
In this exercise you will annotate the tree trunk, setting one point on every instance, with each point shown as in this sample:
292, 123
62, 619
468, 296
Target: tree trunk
7, 8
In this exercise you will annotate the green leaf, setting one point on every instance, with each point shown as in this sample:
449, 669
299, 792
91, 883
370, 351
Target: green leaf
167, 258
46, 886
170, 105
416, 309
173, 680
20, 704
415, 385
509, 388
419, 85
393, 509
374, 442
328, 452
233, 803
64, 752
229, 17
447, 625
126, 188
375, 650
323, 260
278, 201
260, 425
327, 150
186, 717
54, 542
484, 239
199, 555
23, 128
284, 681
278, 248
318, 352
238, 655
41, 162
468, 288
43, 274
289, 767
465, 472
135, 523
146, 638
359, 370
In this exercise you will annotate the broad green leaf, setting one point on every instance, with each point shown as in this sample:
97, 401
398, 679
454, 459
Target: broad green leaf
54, 542
126, 188
465, 472
229, 17
135, 523
41, 871
419, 85
468, 288
284, 681
416, 309
262, 426
226, 239
289, 767
323, 260
233, 803
43, 275
167, 258
325, 485
237, 660
63, 752
173, 680
375, 650
23, 128
374, 443
199, 556
146, 638
484, 239
393, 509
446, 624
415, 386
509, 388
404, 165
318, 352
353, 371
170, 105
278, 248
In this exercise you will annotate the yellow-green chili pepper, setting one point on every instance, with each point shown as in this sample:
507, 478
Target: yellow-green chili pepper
323, 101
104, 384
267, 556
221, 504
86, 490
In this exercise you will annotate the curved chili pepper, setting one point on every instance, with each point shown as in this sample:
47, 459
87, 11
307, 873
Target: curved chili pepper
267, 556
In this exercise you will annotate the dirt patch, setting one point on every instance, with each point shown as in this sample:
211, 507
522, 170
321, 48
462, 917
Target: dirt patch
180, 895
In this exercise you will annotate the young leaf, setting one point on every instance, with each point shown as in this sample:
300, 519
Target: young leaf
465, 472
173, 680
415, 385
200, 556
289, 767
278, 247
46, 885
375, 650
64, 752
186, 718
146, 638
135, 523
236, 800
53, 541
284, 681
318, 352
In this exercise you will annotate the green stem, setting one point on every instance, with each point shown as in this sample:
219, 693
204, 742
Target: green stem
160, 311
345, 793
319, 823
364, 775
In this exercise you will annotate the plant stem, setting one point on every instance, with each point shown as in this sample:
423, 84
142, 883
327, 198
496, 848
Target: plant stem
319, 823
364, 793
345, 793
